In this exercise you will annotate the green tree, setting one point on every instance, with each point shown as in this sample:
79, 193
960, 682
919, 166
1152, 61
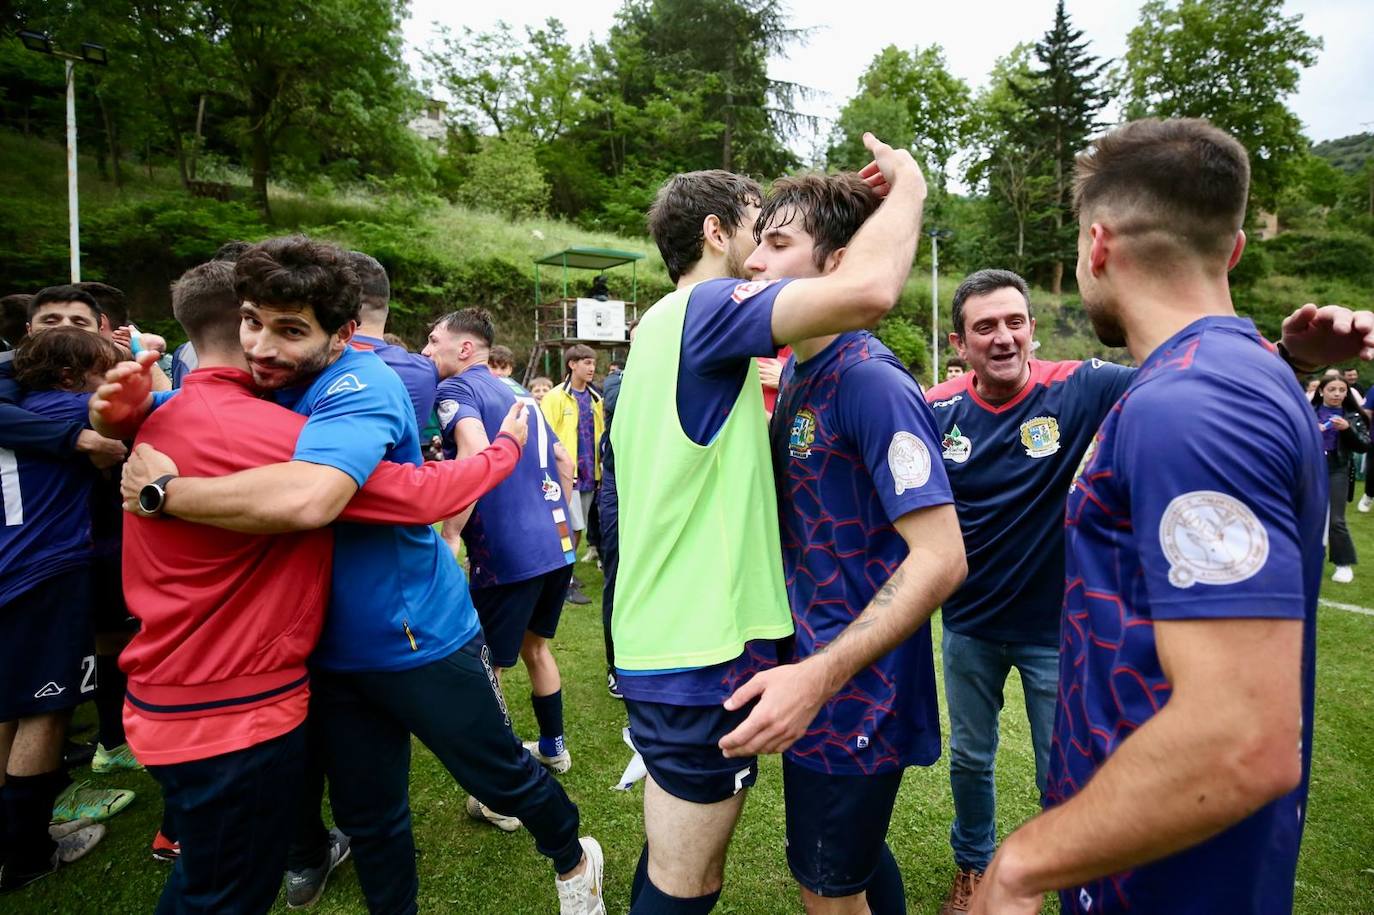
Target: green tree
1233, 62
504, 177
913, 95
1062, 100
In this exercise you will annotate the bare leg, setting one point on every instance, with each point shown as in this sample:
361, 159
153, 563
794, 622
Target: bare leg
539, 661
687, 842
834, 905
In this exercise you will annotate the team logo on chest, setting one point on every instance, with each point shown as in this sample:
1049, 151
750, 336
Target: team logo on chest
1211, 538
1040, 436
956, 446
909, 461
803, 435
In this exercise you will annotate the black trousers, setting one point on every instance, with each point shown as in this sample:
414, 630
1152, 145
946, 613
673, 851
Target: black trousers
454, 707
1338, 534
232, 814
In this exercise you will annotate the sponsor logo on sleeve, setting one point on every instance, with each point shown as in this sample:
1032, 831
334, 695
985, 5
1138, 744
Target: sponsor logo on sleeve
49, 690
909, 461
447, 409
1211, 538
345, 384
750, 289
1040, 436
956, 447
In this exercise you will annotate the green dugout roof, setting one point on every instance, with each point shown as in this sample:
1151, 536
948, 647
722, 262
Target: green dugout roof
589, 258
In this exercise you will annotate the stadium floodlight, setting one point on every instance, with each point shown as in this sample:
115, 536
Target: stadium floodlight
41, 43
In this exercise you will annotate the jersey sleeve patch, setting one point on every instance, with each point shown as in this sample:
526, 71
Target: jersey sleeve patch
749, 290
1211, 538
908, 459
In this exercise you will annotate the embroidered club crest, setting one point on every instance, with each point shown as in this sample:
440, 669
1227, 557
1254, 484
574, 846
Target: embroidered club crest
1040, 436
803, 435
1211, 538
908, 460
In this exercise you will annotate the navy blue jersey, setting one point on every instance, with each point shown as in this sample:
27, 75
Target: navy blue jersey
46, 504
26, 431
720, 335
1009, 466
520, 528
1177, 516
398, 600
417, 373
854, 449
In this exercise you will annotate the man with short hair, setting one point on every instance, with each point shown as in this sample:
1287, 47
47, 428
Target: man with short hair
1182, 737
700, 597
954, 368
401, 652
416, 372
519, 543
870, 547
219, 723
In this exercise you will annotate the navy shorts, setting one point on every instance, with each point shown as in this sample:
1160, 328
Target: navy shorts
507, 611
836, 826
47, 654
680, 746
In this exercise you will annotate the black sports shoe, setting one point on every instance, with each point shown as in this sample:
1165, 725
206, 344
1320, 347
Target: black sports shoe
575, 595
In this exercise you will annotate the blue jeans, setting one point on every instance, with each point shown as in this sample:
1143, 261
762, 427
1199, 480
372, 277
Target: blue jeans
975, 672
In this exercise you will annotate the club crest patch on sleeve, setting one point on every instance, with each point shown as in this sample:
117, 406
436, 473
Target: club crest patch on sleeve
1211, 538
447, 410
908, 459
750, 289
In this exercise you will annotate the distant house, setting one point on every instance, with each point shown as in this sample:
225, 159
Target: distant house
430, 123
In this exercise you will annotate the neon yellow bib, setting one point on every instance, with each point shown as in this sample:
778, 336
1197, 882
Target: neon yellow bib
700, 559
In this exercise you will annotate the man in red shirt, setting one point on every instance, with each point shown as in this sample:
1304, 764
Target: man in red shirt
218, 687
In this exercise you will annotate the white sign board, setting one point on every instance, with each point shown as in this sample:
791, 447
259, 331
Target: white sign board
597, 320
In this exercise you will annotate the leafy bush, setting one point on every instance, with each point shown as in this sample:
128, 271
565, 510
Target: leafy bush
907, 343
1332, 255
190, 229
504, 177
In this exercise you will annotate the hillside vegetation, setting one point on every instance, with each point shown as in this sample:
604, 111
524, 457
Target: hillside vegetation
443, 256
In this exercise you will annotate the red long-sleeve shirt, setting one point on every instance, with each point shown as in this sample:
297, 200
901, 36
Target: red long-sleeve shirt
228, 619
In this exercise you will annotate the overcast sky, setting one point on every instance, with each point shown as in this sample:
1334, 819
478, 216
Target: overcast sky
1334, 99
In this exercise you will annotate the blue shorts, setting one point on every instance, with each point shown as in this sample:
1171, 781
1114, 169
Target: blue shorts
508, 611
680, 746
47, 653
836, 826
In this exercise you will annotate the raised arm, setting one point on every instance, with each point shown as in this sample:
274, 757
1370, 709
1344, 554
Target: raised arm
866, 284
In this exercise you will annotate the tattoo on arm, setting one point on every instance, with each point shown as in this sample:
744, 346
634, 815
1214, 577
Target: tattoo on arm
883, 599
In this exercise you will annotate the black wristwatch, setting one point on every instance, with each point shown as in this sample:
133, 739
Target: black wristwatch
153, 495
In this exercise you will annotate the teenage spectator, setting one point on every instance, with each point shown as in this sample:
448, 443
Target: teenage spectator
48, 664
540, 386
1344, 437
954, 367
573, 409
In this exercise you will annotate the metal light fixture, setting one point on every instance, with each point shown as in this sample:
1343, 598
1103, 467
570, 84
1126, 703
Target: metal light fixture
94, 54
36, 41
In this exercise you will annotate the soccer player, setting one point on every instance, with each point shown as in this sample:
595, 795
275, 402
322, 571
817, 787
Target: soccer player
608, 511
217, 720
870, 547
700, 595
48, 665
1182, 739
416, 372
401, 652
519, 544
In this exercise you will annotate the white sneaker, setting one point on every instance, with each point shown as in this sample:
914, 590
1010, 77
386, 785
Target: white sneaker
1366, 503
76, 838
479, 811
1343, 575
557, 764
582, 894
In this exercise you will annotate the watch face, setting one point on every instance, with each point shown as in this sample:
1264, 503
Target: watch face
150, 499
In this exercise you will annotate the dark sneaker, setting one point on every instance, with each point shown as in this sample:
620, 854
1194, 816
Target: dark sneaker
305, 887
961, 892
575, 595
613, 685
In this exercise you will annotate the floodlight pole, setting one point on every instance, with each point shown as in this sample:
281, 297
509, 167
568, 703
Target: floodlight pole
934, 307
73, 210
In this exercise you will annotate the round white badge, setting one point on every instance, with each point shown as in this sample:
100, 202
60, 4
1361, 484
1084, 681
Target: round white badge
1211, 538
908, 459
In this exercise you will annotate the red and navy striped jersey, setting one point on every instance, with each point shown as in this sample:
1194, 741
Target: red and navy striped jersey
854, 449
1010, 465
1178, 516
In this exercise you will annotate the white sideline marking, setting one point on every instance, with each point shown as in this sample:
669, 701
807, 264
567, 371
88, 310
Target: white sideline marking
1349, 608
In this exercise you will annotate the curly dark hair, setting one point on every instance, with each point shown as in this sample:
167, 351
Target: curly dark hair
293, 273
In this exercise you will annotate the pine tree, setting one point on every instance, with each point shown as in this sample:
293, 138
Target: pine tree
1063, 100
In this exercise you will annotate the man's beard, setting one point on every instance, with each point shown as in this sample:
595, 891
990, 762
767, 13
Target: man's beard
734, 264
1105, 323
295, 373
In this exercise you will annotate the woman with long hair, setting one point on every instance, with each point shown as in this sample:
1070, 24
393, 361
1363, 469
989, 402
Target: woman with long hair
1343, 436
